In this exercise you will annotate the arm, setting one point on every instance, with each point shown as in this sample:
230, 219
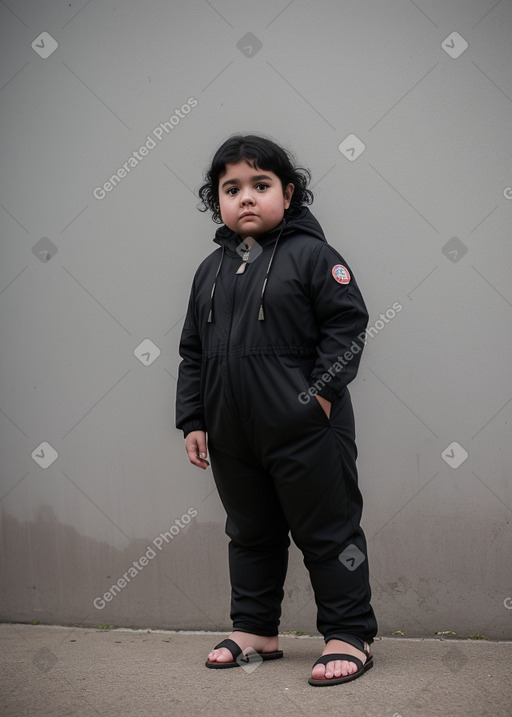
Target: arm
189, 405
342, 318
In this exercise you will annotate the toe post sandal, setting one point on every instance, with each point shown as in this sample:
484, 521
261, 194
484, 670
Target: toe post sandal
361, 668
250, 656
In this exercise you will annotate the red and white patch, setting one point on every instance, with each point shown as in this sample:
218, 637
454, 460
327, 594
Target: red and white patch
341, 274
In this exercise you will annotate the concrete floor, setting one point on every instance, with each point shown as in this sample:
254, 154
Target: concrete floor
49, 670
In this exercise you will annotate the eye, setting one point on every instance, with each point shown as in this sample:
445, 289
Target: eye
262, 186
232, 191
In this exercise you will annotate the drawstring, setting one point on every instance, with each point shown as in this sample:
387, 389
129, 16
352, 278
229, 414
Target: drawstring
210, 313
261, 314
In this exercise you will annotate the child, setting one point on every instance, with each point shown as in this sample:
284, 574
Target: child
273, 334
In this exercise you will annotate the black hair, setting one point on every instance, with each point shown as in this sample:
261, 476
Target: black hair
263, 153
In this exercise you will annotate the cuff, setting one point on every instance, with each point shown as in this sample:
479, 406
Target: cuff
192, 426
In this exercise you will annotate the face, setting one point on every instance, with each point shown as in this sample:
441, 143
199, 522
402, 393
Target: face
252, 201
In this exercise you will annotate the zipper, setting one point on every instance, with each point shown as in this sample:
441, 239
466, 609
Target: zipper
229, 380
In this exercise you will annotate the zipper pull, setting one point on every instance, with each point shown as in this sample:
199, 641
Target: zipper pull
241, 268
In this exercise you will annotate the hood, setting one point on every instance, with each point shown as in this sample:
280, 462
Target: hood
305, 223
228, 240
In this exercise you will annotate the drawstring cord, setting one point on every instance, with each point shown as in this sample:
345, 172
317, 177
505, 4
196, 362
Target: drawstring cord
210, 313
261, 313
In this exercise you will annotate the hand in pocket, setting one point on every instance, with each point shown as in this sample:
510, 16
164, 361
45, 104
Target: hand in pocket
326, 405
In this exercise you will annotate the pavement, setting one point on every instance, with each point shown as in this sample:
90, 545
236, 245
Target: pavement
52, 670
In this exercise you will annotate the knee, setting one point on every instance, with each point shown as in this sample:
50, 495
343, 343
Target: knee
254, 538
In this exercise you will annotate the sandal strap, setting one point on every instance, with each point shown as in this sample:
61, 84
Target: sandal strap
230, 645
324, 659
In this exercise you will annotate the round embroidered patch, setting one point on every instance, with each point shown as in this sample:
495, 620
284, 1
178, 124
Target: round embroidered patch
341, 274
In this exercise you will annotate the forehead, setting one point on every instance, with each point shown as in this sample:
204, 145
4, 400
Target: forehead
244, 170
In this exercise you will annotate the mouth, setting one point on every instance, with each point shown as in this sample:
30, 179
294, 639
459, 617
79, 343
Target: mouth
247, 215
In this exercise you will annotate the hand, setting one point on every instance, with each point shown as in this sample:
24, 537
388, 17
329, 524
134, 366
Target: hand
195, 445
326, 405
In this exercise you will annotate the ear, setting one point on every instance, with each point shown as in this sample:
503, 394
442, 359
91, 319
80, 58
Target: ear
288, 193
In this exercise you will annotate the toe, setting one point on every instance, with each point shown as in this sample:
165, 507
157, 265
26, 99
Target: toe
333, 669
348, 668
221, 655
318, 672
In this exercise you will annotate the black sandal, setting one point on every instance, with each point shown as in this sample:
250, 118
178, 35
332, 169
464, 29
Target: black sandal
362, 668
250, 656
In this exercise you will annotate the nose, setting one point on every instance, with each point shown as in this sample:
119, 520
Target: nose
246, 197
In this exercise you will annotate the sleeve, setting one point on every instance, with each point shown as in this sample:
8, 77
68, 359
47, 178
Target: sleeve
189, 405
342, 319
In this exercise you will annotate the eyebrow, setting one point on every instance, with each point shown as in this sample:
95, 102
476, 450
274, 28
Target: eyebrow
256, 178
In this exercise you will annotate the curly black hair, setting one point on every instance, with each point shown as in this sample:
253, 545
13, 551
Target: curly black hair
262, 153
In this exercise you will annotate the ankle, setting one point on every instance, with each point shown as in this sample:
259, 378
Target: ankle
354, 641
246, 639
337, 645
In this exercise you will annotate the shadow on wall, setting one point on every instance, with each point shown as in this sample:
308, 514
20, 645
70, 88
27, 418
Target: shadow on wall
168, 582
173, 581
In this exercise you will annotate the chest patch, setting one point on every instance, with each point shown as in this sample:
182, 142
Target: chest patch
341, 274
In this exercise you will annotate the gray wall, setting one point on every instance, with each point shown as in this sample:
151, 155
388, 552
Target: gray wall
94, 285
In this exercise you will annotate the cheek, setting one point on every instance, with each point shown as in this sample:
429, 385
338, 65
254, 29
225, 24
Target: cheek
280, 205
273, 204
223, 206
227, 211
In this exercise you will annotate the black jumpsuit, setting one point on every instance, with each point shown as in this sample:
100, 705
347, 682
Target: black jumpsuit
254, 352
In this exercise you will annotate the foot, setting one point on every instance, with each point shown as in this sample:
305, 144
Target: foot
338, 668
260, 643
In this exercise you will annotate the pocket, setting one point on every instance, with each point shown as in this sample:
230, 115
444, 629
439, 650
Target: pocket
303, 396
327, 417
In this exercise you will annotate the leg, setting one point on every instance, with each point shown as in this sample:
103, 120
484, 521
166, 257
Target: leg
316, 479
258, 549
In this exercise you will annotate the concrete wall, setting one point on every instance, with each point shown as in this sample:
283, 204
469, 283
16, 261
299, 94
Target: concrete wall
94, 285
